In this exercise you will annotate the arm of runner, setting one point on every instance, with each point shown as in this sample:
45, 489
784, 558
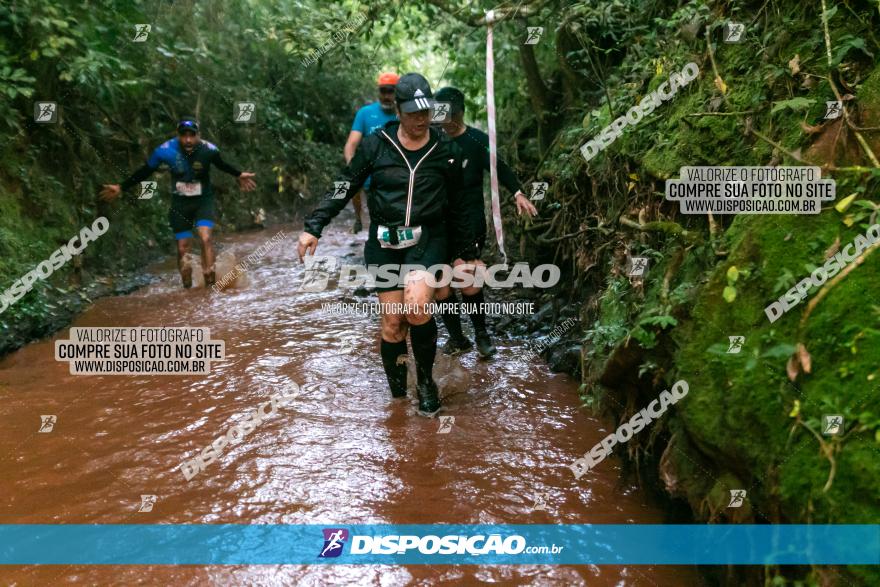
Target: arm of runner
347, 184
358, 130
111, 191
509, 180
463, 237
507, 177
306, 245
245, 178
523, 205
246, 182
351, 145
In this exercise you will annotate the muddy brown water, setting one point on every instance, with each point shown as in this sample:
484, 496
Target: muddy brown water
342, 453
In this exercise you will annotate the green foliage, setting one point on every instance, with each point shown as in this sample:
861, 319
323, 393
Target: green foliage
756, 427
775, 83
795, 104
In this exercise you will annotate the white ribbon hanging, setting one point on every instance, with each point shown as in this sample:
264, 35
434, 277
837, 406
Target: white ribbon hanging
493, 143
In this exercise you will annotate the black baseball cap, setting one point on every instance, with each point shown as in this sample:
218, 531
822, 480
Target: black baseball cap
453, 96
188, 124
413, 93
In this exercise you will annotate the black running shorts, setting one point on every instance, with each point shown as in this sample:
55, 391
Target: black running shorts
189, 211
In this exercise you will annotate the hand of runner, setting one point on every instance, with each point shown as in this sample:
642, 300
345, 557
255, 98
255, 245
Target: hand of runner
110, 191
523, 205
307, 245
245, 182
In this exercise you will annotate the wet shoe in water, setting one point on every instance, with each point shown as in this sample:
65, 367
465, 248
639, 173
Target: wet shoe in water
210, 279
429, 399
358, 226
455, 346
186, 276
399, 390
397, 378
485, 346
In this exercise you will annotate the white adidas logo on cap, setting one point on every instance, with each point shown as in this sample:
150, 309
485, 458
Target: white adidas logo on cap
420, 100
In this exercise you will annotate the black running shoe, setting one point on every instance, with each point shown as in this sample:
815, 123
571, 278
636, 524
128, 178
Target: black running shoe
429, 399
455, 346
485, 346
358, 226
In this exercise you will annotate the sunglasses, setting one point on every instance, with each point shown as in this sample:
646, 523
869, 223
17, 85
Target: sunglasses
386, 90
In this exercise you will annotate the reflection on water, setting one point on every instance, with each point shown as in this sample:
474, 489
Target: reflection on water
342, 453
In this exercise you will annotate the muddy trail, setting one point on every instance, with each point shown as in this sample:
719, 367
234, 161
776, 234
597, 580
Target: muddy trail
342, 453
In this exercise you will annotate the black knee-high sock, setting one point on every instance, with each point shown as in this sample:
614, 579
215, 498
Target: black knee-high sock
395, 370
478, 319
424, 344
450, 317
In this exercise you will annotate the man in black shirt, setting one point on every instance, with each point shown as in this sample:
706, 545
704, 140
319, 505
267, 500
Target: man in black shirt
474, 145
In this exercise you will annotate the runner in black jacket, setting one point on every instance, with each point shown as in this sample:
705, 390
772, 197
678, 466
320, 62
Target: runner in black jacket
474, 145
415, 218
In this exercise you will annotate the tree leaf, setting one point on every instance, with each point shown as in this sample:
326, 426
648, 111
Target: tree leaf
729, 294
842, 205
793, 104
779, 351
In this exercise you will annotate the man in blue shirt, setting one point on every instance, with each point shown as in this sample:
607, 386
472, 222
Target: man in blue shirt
368, 120
188, 159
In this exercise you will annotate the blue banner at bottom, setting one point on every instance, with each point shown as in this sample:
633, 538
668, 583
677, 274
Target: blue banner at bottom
602, 544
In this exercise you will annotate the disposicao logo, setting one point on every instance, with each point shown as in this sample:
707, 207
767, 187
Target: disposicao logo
405, 544
334, 540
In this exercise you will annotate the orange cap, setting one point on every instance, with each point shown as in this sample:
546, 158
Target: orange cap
387, 79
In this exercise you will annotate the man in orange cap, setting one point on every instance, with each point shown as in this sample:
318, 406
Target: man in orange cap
369, 119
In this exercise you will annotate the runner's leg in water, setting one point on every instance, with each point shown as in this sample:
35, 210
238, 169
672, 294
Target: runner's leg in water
184, 213
356, 203
204, 228
416, 295
458, 342
185, 269
393, 343
473, 299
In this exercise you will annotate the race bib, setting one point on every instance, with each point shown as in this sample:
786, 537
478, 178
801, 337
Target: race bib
188, 189
407, 236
